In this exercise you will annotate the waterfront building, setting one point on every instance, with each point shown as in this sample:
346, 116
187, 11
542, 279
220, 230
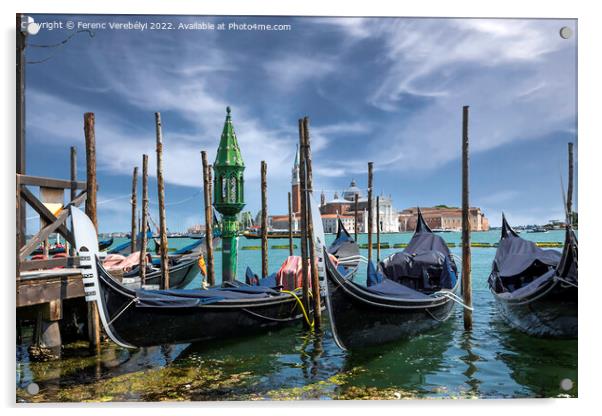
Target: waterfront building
443, 218
345, 206
330, 222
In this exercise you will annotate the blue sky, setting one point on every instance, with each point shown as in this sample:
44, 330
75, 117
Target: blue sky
388, 90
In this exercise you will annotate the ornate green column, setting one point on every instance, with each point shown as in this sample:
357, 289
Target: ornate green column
228, 195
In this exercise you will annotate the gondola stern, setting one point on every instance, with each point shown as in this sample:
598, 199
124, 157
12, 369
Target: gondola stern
421, 225
507, 230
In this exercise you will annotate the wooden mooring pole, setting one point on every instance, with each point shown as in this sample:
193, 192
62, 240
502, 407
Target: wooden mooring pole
144, 224
210, 263
377, 229
161, 192
133, 231
466, 267
569, 194
370, 165
91, 187
264, 219
356, 208
303, 240
315, 278
73, 190
290, 225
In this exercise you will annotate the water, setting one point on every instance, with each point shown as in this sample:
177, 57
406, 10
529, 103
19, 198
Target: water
492, 361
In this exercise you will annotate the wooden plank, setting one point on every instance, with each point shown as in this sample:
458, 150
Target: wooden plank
45, 213
46, 231
49, 182
38, 291
49, 263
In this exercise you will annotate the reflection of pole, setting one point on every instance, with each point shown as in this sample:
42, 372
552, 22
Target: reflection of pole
466, 279
208, 219
162, 221
144, 225
315, 278
264, 219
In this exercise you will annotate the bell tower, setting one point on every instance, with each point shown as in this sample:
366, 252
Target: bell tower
228, 196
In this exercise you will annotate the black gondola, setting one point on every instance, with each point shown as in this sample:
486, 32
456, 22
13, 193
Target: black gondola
136, 318
411, 292
104, 244
181, 273
535, 289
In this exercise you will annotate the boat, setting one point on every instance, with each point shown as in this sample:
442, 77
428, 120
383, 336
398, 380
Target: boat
104, 244
411, 292
181, 273
139, 318
256, 234
537, 230
535, 289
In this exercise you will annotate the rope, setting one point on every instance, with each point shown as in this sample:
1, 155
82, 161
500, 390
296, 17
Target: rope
122, 311
566, 281
311, 324
455, 298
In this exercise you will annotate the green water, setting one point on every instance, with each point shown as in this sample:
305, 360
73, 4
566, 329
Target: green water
492, 361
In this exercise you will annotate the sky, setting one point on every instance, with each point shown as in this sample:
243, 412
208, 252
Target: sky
386, 90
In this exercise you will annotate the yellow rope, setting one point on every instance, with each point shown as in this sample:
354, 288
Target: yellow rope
311, 324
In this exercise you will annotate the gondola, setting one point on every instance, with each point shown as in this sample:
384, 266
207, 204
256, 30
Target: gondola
535, 289
139, 318
104, 244
181, 273
412, 291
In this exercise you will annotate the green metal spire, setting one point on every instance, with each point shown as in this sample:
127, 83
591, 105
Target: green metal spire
229, 196
228, 153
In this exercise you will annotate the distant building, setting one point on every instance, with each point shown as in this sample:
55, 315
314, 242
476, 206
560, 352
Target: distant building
345, 206
443, 218
330, 223
196, 229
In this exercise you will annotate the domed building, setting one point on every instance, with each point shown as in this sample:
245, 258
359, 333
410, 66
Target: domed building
344, 207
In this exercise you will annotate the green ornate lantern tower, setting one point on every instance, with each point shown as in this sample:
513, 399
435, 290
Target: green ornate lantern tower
229, 195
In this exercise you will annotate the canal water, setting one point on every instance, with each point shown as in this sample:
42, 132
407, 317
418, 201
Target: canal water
492, 361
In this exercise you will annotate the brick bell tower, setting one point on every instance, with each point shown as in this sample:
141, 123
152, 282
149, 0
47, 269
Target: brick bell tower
296, 189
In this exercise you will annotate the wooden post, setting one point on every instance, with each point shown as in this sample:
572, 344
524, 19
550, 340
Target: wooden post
303, 240
208, 219
134, 232
290, 225
315, 278
569, 194
144, 225
466, 267
264, 219
73, 164
370, 165
377, 229
356, 208
161, 192
91, 187
20, 124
